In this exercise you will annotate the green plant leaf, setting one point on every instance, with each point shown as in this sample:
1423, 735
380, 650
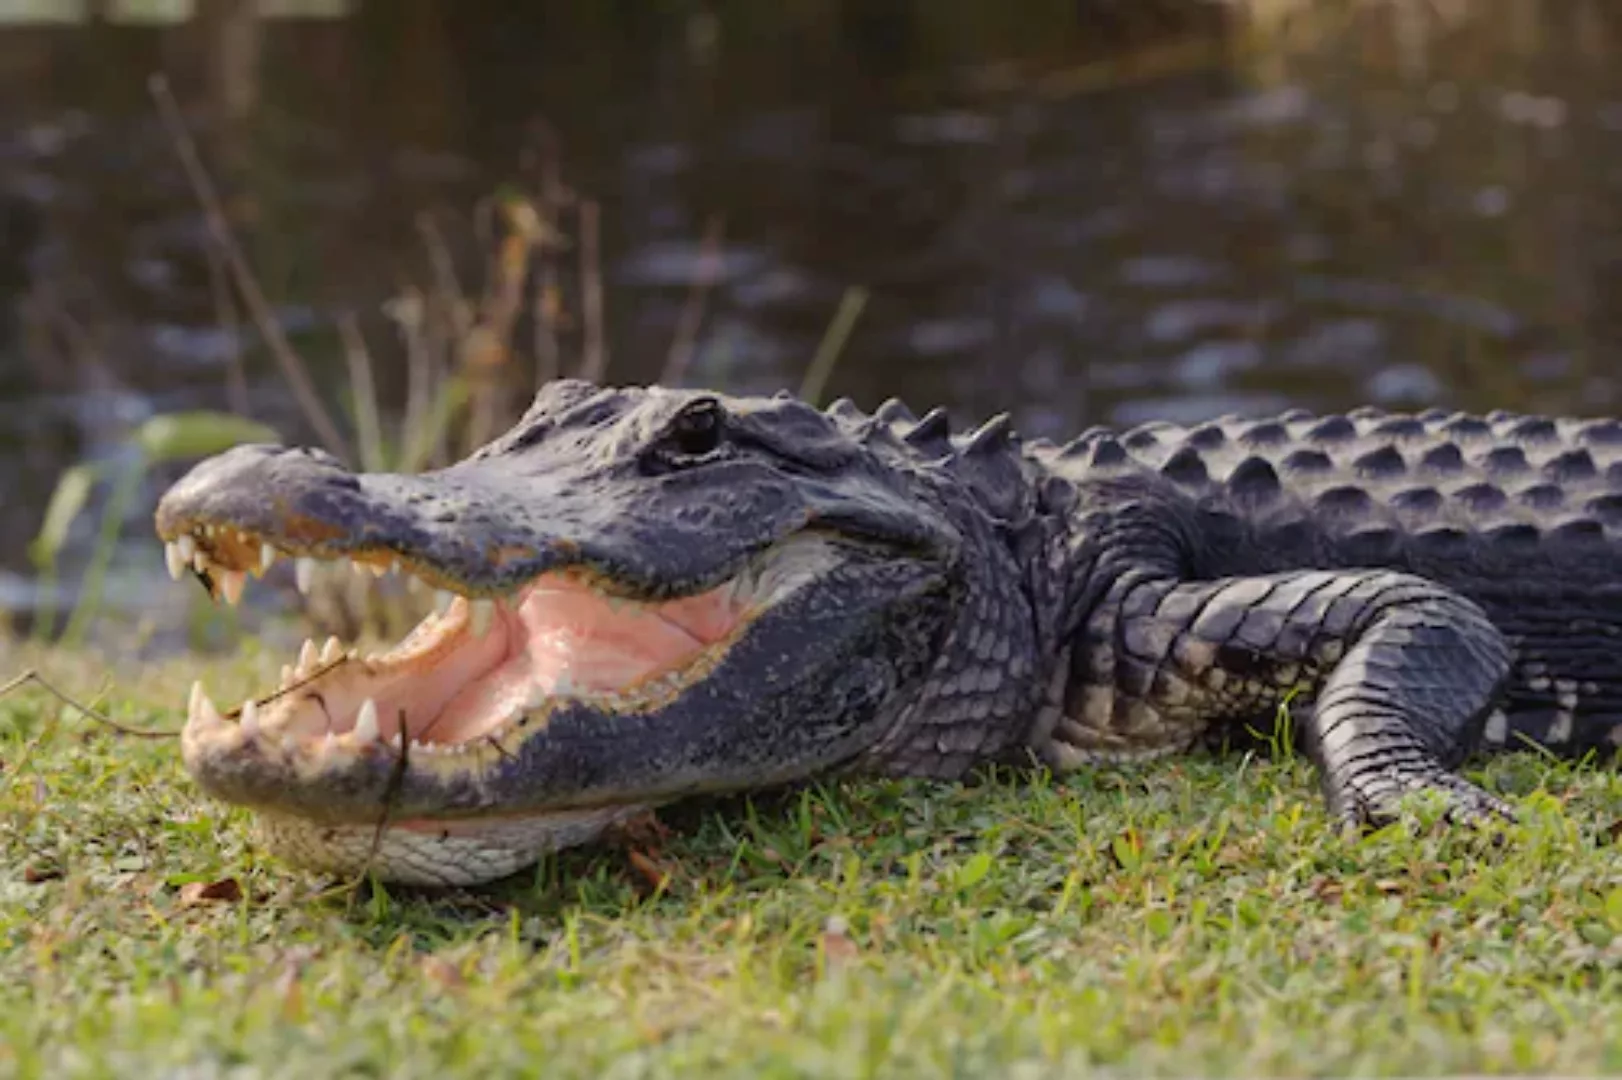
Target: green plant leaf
175, 436
73, 489
975, 870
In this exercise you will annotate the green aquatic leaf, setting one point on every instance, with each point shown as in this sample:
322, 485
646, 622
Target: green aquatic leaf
176, 436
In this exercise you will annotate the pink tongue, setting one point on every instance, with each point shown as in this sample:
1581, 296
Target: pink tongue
709, 617
564, 627
570, 629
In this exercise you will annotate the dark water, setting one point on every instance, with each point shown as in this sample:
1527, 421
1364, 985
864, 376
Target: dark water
1075, 216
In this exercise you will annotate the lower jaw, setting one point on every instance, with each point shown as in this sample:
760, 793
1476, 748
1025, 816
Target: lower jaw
424, 852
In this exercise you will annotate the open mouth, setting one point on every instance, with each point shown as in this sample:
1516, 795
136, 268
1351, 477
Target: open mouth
475, 668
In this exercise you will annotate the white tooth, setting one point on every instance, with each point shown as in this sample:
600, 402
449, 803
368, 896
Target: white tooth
394, 566
267, 559
304, 574
377, 569
202, 709
564, 686
366, 721
331, 651
289, 744
483, 613
248, 718
199, 563
197, 696
307, 656
443, 599
414, 585
288, 676
174, 560
231, 584
328, 743
187, 547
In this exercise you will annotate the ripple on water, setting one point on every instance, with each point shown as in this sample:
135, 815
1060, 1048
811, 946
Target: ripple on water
1209, 365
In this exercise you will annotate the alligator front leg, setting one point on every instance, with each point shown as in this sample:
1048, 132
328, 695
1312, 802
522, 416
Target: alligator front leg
1390, 678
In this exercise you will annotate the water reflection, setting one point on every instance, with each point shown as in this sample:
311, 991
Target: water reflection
1177, 215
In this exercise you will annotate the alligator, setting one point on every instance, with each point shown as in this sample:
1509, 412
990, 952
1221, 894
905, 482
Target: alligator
652, 593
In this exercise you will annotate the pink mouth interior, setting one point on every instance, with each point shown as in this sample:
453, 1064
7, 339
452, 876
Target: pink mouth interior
451, 686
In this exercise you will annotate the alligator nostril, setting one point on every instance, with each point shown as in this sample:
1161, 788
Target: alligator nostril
314, 454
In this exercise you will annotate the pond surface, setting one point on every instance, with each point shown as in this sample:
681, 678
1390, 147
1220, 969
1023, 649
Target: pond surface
1076, 219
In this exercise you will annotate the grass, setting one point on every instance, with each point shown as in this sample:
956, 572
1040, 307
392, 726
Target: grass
1190, 917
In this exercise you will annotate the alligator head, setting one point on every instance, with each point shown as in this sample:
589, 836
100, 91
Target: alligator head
652, 593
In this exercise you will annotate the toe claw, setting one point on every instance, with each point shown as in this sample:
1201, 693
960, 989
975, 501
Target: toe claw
1370, 802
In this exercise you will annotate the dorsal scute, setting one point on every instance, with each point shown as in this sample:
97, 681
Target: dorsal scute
845, 409
1358, 479
931, 433
993, 436
894, 411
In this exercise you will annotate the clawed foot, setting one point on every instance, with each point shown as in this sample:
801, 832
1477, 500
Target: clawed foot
1379, 798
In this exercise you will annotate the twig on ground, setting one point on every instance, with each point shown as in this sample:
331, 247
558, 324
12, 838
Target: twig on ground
33, 676
219, 228
391, 795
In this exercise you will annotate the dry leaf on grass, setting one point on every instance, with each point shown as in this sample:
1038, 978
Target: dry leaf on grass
223, 891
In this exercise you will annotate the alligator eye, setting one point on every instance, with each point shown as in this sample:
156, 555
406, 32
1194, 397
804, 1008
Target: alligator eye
696, 430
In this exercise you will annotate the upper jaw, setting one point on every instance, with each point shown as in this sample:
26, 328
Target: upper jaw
480, 528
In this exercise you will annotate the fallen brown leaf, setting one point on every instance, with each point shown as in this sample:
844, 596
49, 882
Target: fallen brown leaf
223, 891
837, 946
652, 874
1328, 890
442, 973
290, 984
645, 830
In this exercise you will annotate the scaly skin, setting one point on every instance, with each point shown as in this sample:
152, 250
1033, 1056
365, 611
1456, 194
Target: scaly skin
915, 602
